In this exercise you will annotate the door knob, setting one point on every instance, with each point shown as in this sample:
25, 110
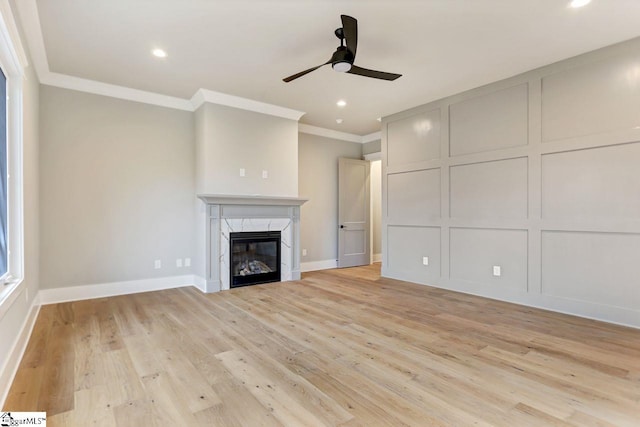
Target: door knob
341, 226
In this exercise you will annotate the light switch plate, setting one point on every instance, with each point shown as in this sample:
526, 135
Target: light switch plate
425, 260
242, 172
157, 264
265, 174
497, 270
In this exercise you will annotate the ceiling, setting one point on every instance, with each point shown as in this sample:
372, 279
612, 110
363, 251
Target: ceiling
246, 47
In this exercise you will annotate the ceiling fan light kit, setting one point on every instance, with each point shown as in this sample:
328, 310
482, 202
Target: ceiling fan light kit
343, 58
341, 67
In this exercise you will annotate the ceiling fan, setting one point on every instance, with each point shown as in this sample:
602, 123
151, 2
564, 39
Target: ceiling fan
344, 56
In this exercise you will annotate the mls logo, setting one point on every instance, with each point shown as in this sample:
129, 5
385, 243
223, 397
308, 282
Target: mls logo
8, 419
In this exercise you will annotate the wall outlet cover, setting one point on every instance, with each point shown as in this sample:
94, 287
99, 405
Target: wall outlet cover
242, 172
425, 260
179, 262
187, 262
157, 264
497, 270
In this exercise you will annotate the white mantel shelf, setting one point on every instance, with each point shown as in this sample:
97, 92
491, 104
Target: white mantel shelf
229, 199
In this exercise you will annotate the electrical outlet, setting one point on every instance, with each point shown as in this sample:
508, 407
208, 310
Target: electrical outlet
157, 264
179, 262
497, 271
265, 174
242, 172
304, 252
425, 260
187, 262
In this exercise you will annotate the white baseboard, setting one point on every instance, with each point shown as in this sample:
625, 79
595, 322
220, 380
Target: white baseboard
16, 352
76, 293
318, 265
200, 283
376, 258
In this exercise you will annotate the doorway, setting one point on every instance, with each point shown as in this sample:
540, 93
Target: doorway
375, 177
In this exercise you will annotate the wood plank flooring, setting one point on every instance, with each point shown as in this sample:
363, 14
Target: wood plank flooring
338, 348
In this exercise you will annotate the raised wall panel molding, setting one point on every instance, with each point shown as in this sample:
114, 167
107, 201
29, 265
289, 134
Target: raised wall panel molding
414, 139
627, 136
492, 190
418, 166
597, 97
495, 120
576, 189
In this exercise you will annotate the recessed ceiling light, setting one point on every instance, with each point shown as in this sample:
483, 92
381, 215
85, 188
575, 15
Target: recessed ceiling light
159, 53
341, 103
338, 121
579, 3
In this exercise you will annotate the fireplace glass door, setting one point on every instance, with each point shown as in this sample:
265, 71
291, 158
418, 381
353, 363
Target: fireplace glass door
255, 258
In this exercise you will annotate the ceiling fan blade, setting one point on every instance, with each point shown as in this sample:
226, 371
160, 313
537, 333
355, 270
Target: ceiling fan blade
372, 73
350, 31
302, 73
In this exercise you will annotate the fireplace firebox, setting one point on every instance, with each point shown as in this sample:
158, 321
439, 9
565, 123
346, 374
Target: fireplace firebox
255, 258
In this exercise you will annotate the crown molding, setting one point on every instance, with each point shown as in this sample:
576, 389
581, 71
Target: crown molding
114, 91
28, 13
334, 134
375, 136
213, 97
329, 133
11, 38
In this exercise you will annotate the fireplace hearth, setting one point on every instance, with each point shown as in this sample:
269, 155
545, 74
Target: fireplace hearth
255, 258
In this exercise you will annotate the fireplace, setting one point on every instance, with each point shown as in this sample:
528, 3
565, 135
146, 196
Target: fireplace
227, 214
255, 258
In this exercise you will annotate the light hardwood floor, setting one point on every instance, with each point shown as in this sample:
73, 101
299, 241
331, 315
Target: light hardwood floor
340, 347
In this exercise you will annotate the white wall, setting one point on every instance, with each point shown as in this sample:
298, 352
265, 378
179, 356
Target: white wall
537, 174
318, 181
117, 189
230, 139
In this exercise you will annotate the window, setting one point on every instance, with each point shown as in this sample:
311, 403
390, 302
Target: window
4, 258
12, 65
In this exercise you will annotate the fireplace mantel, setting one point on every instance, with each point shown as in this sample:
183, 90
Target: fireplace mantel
230, 199
227, 213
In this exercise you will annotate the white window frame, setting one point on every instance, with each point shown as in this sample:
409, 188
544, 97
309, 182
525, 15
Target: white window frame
13, 62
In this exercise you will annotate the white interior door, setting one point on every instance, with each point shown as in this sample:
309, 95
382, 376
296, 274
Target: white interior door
353, 213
